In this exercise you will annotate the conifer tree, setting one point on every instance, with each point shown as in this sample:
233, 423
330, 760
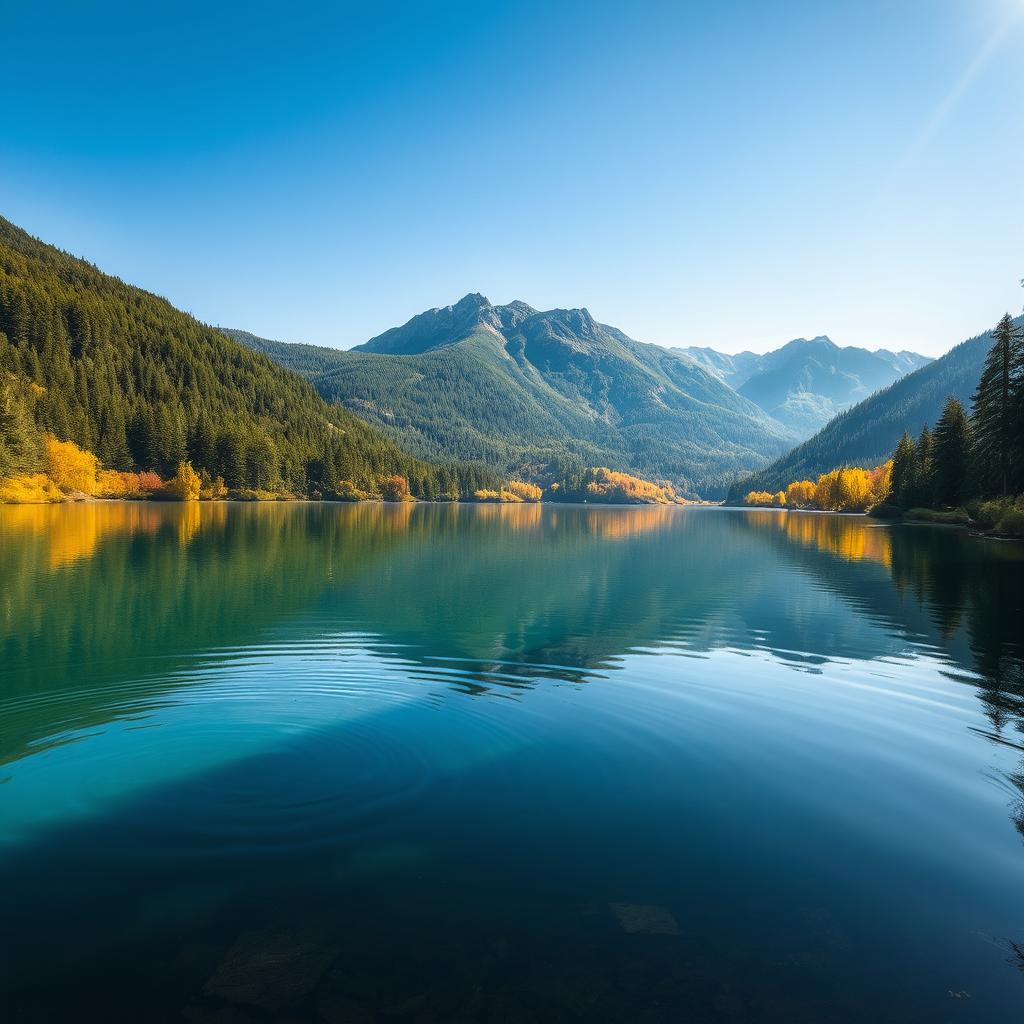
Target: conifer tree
19, 441
903, 471
997, 418
261, 462
951, 446
923, 487
231, 459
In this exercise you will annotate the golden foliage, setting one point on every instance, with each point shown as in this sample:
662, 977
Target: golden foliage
30, 489
608, 485
523, 490
842, 490
800, 494
514, 492
185, 484
71, 468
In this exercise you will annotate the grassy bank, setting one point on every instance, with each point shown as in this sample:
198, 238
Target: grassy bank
1000, 517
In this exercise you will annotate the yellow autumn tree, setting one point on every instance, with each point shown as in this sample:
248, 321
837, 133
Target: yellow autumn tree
800, 494
608, 485
856, 489
850, 489
29, 489
524, 491
71, 468
881, 483
185, 484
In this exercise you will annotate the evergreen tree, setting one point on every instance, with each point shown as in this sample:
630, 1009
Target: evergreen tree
202, 442
997, 418
19, 441
951, 446
903, 471
923, 486
231, 459
261, 463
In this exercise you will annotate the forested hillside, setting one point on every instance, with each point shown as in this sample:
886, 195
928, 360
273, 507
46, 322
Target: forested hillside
121, 372
524, 390
867, 434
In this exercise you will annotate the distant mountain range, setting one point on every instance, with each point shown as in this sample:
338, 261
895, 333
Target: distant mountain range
806, 383
866, 434
505, 389
520, 389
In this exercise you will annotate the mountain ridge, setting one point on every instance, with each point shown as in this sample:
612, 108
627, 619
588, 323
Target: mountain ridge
518, 387
866, 434
123, 373
807, 381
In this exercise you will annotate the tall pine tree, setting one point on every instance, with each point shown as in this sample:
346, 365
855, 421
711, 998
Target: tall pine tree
923, 486
951, 452
903, 471
19, 440
997, 423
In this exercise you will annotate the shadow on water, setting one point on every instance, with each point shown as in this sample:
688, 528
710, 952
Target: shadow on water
281, 807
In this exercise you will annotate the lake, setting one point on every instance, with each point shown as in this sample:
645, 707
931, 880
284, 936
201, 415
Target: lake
301, 762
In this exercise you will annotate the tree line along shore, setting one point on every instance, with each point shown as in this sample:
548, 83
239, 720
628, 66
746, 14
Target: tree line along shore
968, 471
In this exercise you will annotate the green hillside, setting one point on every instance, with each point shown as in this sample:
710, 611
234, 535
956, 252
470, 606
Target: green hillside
123, 373
521, 389
866, 434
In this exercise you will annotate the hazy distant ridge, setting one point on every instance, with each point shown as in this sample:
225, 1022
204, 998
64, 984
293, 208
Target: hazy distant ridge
805, 383
866, 434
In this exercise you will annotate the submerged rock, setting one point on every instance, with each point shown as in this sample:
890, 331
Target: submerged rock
644, 919
271, 970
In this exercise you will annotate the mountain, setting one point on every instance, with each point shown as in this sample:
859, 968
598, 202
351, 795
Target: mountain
522, 389
123, 373
735, 370
807, 382
867, 434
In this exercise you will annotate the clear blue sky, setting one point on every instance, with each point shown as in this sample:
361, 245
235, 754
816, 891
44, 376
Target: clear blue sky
732, 174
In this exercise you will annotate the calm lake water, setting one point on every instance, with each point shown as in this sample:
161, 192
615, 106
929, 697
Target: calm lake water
322, 763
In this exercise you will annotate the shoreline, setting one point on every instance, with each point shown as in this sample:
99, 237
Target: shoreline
92, 500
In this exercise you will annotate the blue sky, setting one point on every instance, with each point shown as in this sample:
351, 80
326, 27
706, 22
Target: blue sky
732, 174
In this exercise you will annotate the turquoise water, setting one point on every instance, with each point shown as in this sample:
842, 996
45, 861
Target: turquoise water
456, 763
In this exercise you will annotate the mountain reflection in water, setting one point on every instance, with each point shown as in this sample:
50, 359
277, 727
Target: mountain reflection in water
433, 763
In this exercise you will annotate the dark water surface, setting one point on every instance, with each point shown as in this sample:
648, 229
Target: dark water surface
364, 763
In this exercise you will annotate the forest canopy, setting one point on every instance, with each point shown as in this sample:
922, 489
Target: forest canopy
121, 373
